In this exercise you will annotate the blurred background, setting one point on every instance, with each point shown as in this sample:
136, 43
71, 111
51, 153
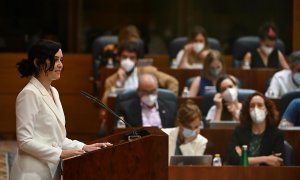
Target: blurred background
76, 23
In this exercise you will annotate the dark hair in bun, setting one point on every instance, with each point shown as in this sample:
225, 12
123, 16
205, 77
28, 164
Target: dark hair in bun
38, 55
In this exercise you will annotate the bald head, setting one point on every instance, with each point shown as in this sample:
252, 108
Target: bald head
147, 84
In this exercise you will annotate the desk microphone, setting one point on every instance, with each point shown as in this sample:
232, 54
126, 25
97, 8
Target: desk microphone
99, 103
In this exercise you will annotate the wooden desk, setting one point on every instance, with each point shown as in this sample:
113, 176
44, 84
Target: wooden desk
233, 172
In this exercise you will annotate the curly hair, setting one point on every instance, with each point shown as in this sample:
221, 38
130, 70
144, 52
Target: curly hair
272, 112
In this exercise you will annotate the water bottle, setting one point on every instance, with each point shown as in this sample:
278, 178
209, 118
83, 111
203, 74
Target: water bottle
120, 123
217, 160
110, 63
245, 155
185, 92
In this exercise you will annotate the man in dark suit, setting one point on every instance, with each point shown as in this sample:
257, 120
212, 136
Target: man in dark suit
147, 106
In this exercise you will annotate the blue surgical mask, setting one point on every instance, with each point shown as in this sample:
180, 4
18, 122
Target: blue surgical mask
296, 77
188, 133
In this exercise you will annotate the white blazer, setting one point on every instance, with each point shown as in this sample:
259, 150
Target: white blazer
41, 134
193, 148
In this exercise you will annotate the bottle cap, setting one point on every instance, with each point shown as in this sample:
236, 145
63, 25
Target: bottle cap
217, 155
245, 147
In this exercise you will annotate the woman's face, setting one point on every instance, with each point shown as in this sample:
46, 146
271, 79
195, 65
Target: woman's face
268, 43
200, 38
58, 66
226, 84
258, 102
215, 68
193, 125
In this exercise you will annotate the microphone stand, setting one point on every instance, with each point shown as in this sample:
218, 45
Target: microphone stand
99, 103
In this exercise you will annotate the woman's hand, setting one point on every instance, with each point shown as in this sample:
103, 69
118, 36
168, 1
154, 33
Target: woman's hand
274, 160
238, 150
188, 48
95, 146
218, 101
70, 152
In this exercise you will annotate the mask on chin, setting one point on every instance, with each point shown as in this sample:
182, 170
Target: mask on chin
258, 115
198, 47
230, 94
267, 50
127, 64
149, 100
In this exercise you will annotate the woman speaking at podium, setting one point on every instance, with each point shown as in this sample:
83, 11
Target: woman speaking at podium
40, 120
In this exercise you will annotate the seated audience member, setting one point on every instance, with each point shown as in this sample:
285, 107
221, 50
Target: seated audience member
213, 69
148, 108
127, 75
286, 80
266, 56
127, 34
258, 130
185, 138
227, 106
195, 51
291, 116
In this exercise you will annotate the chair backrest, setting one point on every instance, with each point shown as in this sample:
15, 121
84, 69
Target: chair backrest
249, 43
208, 99
178, 43
129, 94
286, 99
289, 154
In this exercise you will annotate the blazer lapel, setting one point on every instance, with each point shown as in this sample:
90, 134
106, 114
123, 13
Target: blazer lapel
56, 108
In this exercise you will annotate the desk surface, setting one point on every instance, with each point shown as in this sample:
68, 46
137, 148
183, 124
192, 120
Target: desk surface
233, 172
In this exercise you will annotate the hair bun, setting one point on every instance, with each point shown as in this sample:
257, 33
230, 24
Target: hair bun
25, 68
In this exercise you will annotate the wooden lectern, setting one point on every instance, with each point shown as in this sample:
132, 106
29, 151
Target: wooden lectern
142, 158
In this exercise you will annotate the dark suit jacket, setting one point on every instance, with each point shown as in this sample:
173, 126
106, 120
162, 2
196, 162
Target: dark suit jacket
272, 142
131, 110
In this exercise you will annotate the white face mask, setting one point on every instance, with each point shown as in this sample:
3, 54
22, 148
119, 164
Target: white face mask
198, 47
267, 50
258, 115
230, 94
149, 100
127, 64
188, 133
296, 77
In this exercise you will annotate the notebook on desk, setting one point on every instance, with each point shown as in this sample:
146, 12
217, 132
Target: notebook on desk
177, 160
223, 124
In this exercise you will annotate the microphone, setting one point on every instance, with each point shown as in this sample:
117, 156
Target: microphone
99, 103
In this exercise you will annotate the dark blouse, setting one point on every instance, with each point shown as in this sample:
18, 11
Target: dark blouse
273, 60
203, 82
272, 141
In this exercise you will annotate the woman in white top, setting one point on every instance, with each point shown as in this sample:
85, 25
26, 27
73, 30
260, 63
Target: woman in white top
227, 106
185, 139
195, 51
40, 120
